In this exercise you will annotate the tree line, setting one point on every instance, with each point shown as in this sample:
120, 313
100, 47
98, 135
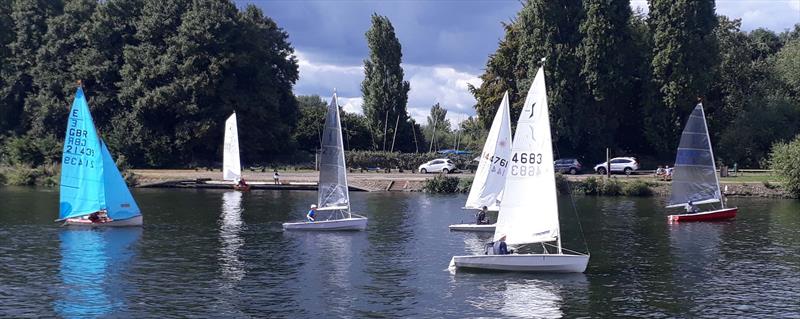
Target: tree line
628, 81
161, 77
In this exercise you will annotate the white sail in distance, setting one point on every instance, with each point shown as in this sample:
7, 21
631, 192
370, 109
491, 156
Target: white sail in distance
529, 210
490, 177
231, 166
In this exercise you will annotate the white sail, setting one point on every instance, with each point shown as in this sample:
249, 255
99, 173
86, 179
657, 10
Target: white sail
490, 177
231, 167
333, 192
529, 211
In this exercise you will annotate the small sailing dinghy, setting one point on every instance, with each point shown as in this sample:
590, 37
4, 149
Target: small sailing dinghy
231, 165
333, 195
92, 191
490, 177
694, 178
529, 211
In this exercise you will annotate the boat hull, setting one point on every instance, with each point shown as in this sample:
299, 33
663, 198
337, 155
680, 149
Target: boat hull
245, 188
82, 222
543, 263
473, 227
720, 214
354, 223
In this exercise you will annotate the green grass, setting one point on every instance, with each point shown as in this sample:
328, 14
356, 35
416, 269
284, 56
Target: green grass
751, 178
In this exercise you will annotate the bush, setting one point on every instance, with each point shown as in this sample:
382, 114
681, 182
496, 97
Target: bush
785, 160
441, 184
22, 175
31, 151
601, 186
464, 185
637, 188
563, 186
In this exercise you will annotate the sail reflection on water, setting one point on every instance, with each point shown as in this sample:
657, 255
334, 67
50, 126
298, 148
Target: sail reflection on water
231, 225
93, 270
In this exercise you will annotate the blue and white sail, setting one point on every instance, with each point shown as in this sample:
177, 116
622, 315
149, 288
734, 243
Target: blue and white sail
90, 180
694, 177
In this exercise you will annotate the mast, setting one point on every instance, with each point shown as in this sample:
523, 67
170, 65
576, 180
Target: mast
341, 153
711, 150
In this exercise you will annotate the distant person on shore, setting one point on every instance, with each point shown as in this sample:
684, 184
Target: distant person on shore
667, 173
276, 177
481, 216
311, 213
691, 208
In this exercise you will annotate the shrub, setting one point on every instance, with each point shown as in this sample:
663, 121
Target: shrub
637, 188
610, 187
22, 175
31, 151
464, 185
3, 179
562, 184
441, 184
785, 160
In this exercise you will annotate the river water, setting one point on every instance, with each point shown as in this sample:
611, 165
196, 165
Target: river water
206, 253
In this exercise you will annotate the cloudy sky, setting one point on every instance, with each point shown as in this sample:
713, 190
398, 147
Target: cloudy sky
445, 42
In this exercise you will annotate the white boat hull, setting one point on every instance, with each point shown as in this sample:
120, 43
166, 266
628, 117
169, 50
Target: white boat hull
83, 222
355, 222
473, 227
547, 263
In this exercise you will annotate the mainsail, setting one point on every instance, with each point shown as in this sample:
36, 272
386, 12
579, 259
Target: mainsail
90, 180
694, 177
490, 177
332, 175
529, 211
231, 166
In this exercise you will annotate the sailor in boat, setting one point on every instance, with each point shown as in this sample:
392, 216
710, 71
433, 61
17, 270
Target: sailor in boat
691, 208
241, 184
311, 213
499, 247
481, 216
100, 216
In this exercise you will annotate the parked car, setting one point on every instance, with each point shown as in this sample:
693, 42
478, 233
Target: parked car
443, 165
625, 165
568, 165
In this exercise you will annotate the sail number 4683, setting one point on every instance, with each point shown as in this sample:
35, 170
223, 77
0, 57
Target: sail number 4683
527, 158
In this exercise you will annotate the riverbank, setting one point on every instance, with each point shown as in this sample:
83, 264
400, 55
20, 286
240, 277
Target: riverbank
742, 186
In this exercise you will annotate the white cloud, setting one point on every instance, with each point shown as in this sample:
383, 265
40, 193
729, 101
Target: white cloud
429, 85
776, 15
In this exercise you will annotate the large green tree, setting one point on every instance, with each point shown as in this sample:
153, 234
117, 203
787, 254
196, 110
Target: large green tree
384, 90
685, 54
437, 130
607, 56
549, 29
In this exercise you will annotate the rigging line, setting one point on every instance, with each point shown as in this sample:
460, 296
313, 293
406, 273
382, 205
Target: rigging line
574, 207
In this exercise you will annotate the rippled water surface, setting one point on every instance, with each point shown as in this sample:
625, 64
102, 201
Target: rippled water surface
224, 254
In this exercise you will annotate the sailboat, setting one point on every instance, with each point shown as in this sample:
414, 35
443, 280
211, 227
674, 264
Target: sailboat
333, 197
490, 177
529, 210
91, 185
694, 178
231, 165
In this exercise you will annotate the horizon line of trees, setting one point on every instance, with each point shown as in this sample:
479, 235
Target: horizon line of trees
162, 76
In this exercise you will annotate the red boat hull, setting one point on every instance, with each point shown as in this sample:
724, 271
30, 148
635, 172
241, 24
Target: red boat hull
722, 214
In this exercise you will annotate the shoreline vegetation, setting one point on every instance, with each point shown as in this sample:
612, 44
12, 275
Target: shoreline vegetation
755, 184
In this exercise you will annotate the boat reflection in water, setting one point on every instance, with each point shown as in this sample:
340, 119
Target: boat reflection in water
93, 270
230, 227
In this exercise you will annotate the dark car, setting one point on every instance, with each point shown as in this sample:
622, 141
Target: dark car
568, 165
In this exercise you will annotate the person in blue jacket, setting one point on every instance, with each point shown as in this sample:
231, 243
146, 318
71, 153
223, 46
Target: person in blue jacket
311, 213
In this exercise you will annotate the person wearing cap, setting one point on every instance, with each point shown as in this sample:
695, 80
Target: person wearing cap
500, 247
311, 213
691, 208
481, 216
